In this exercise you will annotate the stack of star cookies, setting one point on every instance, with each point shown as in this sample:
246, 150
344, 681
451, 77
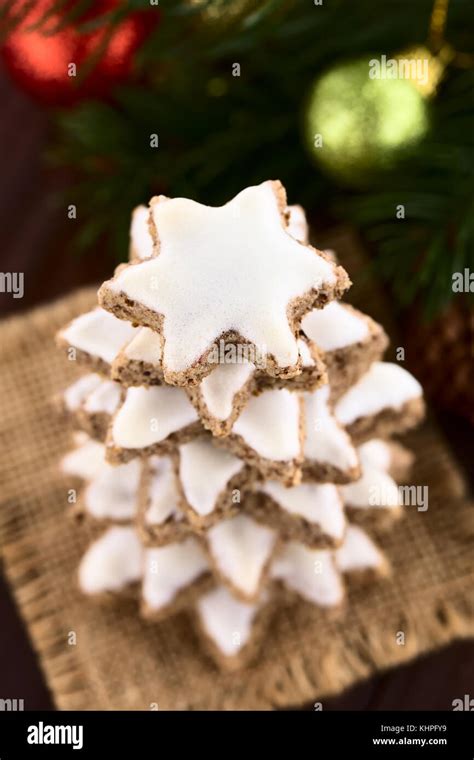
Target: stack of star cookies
234, 422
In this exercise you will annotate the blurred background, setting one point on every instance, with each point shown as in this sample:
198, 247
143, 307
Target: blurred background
365, 111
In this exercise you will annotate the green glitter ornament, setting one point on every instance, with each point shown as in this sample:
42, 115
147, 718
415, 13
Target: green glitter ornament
359, 119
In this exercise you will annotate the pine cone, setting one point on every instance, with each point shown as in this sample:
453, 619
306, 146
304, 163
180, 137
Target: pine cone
441, 355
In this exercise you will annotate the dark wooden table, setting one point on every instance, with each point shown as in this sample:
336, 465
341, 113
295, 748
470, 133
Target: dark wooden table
34, 239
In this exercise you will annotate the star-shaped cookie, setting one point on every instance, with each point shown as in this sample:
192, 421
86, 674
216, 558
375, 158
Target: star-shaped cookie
230, 273
387, 399
95, 338
91, 401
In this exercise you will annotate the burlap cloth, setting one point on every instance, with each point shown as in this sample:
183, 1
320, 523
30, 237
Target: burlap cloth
120, 662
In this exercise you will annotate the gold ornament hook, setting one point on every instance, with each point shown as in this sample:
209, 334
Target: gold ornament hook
437, 42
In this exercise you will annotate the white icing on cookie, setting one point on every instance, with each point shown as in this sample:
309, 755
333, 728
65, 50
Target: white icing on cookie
219, 388
204, 472
85, 461
227, 621
335, 326
163, 494
306, 358
374, 489
76, 394
297, 225
269, 424
112, 562
112, 494
241, 548
145, 346
105, 398
233, 267
99, 334
169, 569
311, 573
80, 437
317, 503
358, 552
141, 242
325, 440
376, 453
384, 386
149, 415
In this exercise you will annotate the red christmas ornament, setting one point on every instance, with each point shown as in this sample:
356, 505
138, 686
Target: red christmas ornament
52, 66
